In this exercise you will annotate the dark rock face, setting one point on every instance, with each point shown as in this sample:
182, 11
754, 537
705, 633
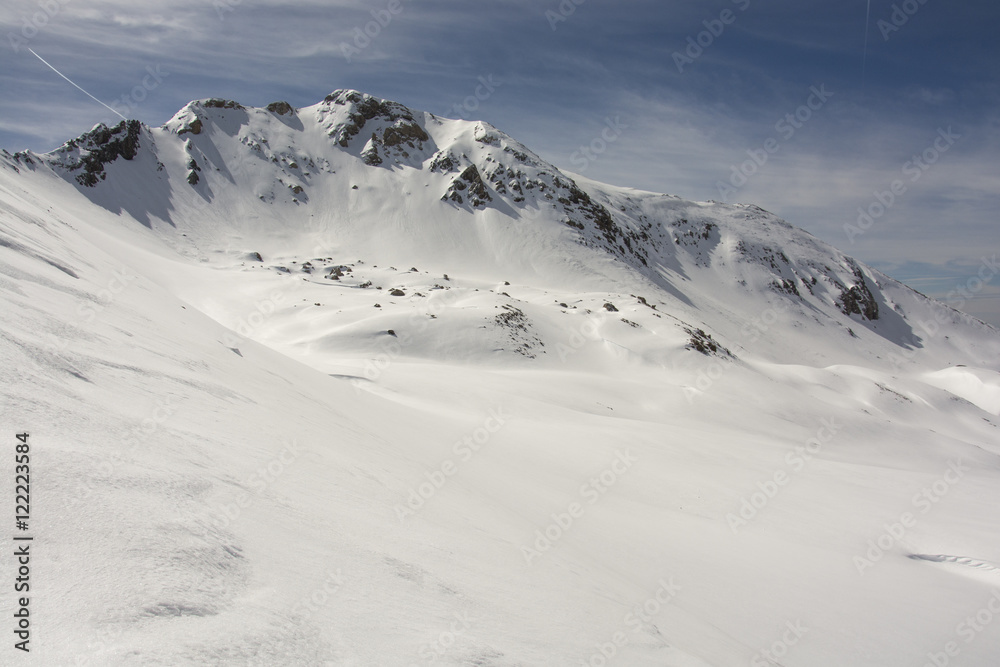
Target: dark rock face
470, 179
194, 127
403, 132
858, 300
281, 108
703, 342
363, 108
217, 103
443, 162
583, 212
478, 194
370, 153
193, 170
102, 146
522, 339
784, 286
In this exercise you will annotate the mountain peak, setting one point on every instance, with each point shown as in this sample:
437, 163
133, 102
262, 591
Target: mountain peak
464, 189
308, 385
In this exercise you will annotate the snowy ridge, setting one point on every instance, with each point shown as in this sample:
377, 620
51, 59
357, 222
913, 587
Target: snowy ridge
353, 384
329, 162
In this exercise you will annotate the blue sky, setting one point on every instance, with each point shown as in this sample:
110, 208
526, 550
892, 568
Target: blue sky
775, 102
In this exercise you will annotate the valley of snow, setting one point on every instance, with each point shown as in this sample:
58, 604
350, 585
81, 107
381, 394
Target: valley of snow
358, 385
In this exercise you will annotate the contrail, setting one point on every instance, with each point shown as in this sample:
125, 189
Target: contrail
864, 60
77, 87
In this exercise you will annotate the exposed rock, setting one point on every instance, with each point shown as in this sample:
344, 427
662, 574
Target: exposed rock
472, 180
858, 299
784, 285
193, 170
702, 342
518, 328
102, 146
403, 132
281, 108
642, 300
370, 153
363, 108
443, 162
218, 103
486, 135
194, 127
578, 204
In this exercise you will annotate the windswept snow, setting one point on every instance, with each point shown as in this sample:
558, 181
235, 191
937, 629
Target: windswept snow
381, 388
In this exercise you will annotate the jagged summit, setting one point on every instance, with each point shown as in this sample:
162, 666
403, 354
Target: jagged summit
354, 384
375, 176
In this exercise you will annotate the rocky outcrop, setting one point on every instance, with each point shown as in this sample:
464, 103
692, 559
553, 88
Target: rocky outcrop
521, 338
470, 182
100, 147
404, 132
362, 108
444, 162
370, 152
193, 169
704, 343
858, 299
583, 213
194, 127
218, 103
281, 108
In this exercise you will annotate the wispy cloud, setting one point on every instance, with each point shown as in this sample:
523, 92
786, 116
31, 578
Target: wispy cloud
685, 130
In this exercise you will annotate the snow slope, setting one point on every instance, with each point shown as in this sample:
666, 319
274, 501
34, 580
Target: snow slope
358, 385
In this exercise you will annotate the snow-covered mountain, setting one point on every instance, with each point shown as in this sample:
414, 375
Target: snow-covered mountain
356, 384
